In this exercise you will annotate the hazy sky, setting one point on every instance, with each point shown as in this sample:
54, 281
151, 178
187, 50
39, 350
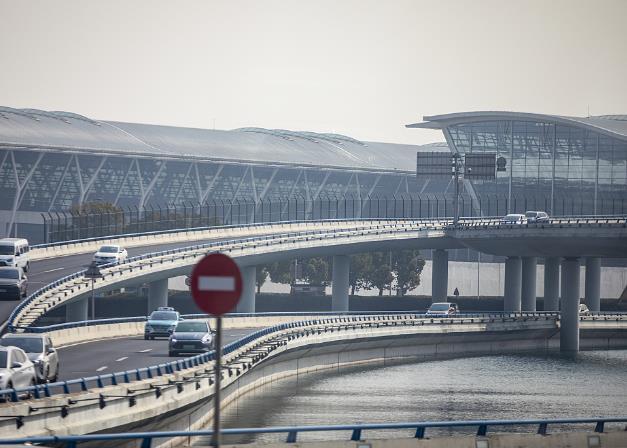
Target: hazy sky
361, 68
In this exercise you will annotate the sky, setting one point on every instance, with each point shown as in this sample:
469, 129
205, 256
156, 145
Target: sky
357, 67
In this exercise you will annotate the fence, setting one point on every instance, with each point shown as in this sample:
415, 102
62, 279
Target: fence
73, 225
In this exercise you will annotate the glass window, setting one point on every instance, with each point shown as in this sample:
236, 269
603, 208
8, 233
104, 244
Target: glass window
195, 327
164, 315
29, 345
3, 359
13, 274
7, 250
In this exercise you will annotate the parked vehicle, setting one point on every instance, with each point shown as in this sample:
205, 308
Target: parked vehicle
514, 218
191, 337
39, 349
14, 252
13, 283
584, 310
112, 253
16, 370
536, 217
161, 322
443, 309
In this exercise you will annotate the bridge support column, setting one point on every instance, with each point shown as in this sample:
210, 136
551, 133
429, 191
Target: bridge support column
439, 276
569, 315
593, 284
551, 284
249, 284
76, 311
513, 280
528, 289
339, 296
157, 294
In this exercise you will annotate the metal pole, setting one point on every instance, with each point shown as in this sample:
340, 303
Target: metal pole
456, 211
218, 374
93, 300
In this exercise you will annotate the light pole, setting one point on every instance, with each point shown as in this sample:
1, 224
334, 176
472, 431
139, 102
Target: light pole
93, 272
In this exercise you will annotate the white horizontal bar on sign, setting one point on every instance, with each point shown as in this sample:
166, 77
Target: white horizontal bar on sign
216, 283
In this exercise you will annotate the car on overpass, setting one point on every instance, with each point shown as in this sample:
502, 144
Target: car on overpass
13, 283
161, 322
443, 309
111, 253
40, 351
191, 336
536, 217
16, 370
514, 218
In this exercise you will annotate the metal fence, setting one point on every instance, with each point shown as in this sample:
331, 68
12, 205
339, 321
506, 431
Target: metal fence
73, 225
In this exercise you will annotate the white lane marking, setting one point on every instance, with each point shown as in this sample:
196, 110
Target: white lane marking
122, 358
216, 283
51, 270
145, 350
100, 369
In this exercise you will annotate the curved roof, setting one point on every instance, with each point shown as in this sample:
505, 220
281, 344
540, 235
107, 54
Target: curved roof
67, 131
612, 125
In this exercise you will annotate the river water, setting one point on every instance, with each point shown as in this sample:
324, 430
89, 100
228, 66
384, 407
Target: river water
486, 387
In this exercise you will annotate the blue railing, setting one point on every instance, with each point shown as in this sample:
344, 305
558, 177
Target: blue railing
357, 432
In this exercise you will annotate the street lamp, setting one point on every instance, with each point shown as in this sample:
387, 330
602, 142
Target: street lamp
93, 272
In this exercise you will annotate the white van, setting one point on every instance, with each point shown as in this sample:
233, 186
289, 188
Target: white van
14, 252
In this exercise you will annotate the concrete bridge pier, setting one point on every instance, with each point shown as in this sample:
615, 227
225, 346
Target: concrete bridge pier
439, 276
569, 315
593, 284
551, 284
249, 284
77, 311
157, 294
528, 289
513, 288
339, 294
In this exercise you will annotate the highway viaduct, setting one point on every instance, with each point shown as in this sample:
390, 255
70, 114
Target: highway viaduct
564, 243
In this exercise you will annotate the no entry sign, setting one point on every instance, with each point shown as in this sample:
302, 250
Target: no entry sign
216, 284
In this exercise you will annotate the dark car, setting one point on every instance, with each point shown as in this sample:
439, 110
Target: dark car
191, 336
13, 283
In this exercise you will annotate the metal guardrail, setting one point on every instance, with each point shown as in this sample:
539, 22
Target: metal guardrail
128, 376
554, 222
377, 226
357, 431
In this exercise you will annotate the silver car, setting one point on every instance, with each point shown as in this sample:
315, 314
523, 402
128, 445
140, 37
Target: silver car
39, 349
16, 370
191, 336
13, 283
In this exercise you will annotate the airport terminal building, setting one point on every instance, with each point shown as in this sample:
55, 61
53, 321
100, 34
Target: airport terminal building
51, 161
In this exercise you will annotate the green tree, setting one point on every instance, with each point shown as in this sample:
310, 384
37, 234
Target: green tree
261, 276
380, 276
407, 266
361, 268
316, 271
279, 272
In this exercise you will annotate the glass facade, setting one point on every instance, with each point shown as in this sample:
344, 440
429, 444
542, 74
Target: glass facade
547, 163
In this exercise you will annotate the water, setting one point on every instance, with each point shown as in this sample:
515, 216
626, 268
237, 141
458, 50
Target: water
487, 387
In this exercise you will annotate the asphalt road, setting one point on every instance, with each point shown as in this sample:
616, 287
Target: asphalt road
116, 355
46, 271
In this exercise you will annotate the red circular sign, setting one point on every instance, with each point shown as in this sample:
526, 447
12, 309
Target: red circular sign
216, 284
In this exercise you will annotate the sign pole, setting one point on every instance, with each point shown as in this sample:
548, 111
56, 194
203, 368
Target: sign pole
218, 375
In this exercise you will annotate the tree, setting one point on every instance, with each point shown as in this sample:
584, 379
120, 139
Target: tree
261, 276
380, 276
316, 271
407, 266
279, 272
360, 269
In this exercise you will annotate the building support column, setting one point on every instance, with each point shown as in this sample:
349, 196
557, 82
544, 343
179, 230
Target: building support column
528, 287
339, 295
569, 315
551, 284
249, 286
439, 276
593, 284
157, 294
77, 311
513, 280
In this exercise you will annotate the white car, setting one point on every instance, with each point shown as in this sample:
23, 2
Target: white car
112, 253
537, 217
16, 370
514, 218
38, 347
